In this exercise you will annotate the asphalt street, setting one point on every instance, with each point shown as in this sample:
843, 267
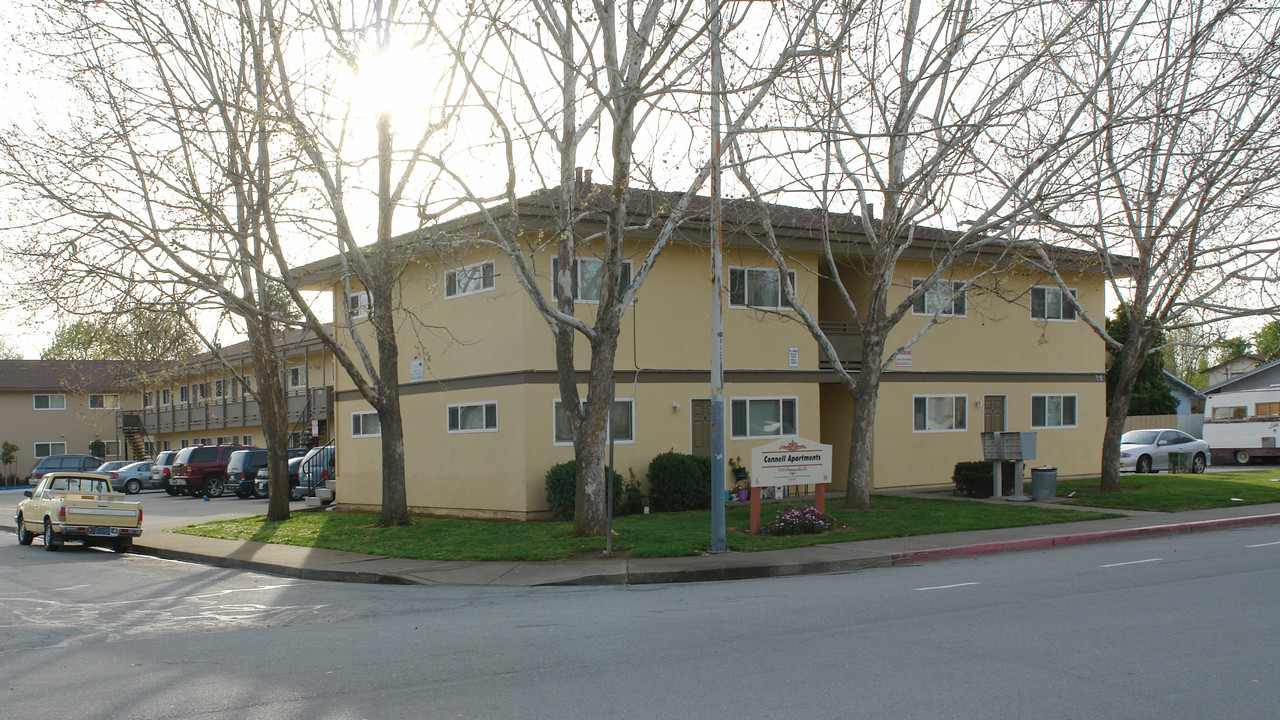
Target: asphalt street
1175, 627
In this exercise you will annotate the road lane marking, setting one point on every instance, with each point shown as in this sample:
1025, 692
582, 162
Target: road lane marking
1131, 562
948, 587
1264, 544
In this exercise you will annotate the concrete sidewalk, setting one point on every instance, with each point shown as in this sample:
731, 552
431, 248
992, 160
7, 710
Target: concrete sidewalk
335, 565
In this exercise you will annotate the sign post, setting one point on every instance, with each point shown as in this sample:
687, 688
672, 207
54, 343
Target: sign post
789, 461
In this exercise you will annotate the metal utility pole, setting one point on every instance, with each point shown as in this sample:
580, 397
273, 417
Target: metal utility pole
717, 300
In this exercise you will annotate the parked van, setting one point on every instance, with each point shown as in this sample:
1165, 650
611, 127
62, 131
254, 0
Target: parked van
73, 463
242, 472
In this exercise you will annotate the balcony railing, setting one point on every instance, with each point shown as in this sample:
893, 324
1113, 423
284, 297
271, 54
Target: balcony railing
218, 413
847, 343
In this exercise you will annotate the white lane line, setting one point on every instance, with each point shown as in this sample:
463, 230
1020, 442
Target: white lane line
1264, 544
1131, 562
948, 587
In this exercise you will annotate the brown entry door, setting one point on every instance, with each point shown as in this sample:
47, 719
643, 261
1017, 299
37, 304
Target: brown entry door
700, 422
993, 413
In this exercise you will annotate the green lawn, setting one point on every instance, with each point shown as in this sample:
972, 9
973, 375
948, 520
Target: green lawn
653, 535
1174, 493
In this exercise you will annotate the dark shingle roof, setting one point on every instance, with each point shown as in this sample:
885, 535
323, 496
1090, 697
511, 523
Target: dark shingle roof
63, 374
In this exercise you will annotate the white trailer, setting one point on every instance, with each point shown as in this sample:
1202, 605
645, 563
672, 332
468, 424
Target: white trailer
1243, 425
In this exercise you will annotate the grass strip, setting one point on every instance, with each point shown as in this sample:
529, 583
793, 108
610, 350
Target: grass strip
1178, 492
653, 535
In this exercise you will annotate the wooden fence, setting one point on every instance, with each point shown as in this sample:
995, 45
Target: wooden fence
1190, 424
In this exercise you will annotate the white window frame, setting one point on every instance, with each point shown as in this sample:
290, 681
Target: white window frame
780, 303
246, 440
112, 448
957, 401
1064, 306
147, 398
781, 400
225, 440
297, 375
1075, 411
49, 403
936, 295
453, 417
219, 388
166, 397
361, 306
470, 279
49, 449
359, 416
631, 413
184, 394
624, 280
164, 446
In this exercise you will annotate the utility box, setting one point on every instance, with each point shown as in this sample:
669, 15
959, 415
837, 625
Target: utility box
1044, 483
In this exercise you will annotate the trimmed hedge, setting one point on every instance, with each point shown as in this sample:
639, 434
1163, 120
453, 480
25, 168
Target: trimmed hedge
974, 479
679, 482
562, 487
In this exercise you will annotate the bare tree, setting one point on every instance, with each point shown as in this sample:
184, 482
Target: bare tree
614, 73
1186, 159
932, 112
154, 196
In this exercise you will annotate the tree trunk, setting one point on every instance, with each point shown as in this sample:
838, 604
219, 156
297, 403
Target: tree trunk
865, 389
591, 447
1132, 356
271, 408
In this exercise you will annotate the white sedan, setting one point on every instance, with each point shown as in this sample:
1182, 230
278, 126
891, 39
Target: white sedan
1144, 451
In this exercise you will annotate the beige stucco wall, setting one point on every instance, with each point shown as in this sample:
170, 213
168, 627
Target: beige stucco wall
77, 425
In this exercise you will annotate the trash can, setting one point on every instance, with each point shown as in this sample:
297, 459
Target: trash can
1180, 462
1044, 483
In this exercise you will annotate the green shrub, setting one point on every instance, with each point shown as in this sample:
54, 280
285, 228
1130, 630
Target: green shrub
679, 482
973, 479
632, 500
562, 486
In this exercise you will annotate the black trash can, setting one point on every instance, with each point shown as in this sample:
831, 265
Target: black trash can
1044, 483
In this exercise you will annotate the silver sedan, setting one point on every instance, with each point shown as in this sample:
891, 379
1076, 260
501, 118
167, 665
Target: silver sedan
1144, 451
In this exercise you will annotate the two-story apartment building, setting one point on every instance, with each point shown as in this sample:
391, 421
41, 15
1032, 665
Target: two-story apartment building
204, 401
56, 407
480, 398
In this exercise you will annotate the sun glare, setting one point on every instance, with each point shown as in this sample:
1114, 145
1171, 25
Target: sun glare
395, 80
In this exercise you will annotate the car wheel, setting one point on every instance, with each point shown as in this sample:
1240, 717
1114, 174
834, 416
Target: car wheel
214, 486
1198, 463
1144, 465
133, 487
122, 545
297, 493
52, 540
24, 535
1242, 457
171, 490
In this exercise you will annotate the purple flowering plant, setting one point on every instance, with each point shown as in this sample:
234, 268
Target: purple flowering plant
805, 520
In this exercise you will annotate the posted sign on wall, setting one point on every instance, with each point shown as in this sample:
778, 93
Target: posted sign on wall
791, 461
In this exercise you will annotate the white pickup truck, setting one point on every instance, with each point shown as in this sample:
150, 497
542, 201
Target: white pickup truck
78, 506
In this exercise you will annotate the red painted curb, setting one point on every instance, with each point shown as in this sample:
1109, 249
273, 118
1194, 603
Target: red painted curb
1062, 540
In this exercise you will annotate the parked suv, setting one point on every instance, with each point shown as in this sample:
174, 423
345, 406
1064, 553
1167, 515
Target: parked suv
201, 470
162, 471
242, 471
76, 463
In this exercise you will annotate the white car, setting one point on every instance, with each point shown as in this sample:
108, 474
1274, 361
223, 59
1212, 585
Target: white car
1144, 451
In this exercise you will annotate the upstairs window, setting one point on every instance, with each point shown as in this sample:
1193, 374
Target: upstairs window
944, 298
476, 417
50, 402
758, 288
297, 377
587, 278
358, 304
1048, 303
469, 280
104, 402
184, 394
166, 397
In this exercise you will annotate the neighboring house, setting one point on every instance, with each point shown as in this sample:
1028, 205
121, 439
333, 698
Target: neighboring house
204, 401
1189, 417
1190, 400
1228, 369
57, 407
1242, 415
480, 400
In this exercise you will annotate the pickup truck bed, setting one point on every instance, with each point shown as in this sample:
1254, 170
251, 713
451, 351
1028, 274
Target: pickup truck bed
78, 506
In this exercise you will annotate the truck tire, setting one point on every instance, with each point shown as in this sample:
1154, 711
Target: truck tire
24, 535
52, 540
214, 486
1242, 457
122, 544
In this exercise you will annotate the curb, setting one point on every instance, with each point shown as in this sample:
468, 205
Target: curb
913, 556
302, 573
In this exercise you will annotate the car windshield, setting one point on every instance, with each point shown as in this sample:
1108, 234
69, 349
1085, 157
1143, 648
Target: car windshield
1139, 437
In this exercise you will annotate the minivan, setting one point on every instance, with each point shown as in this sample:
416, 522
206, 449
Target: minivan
242, 472
76, 463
